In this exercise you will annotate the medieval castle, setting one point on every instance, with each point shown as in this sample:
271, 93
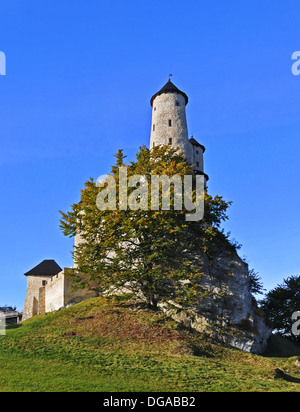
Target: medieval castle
49, 287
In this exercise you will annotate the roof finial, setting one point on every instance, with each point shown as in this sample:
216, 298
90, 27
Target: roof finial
170, 75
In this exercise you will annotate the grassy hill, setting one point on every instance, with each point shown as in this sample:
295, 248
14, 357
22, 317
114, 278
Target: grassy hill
108, 344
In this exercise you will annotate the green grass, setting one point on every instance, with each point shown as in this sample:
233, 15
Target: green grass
111, 345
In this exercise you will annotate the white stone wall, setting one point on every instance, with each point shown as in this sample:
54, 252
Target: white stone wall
34, 283
197, 158
71, 295
59, 292
55, 292
170, 107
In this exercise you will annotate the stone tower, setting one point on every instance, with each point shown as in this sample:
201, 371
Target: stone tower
37, 279
169, 125
50, 288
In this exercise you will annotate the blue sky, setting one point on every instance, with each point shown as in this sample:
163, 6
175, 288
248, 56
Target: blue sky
78, 83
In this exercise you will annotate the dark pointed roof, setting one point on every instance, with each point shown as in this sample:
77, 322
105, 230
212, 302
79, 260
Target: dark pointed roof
45, 268
169, 87
195, 143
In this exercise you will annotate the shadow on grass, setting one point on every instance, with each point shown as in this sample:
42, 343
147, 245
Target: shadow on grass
279, 374
281, 347
13, 326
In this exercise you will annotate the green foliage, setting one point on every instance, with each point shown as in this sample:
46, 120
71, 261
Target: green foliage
255, 283
144, 250
280, 303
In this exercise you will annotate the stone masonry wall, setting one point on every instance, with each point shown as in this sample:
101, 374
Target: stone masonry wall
170, 107
55, 292
60, 292
31, 306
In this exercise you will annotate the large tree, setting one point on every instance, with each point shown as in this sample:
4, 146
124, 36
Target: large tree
279, 305
148, 251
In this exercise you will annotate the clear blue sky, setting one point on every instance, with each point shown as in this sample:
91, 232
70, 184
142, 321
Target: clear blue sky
80, 75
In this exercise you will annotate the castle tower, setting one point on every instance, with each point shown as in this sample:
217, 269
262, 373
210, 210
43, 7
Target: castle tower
37, 279
169, 125
50, 288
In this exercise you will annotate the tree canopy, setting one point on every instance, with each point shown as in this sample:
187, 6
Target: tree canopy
279, 305
146, 251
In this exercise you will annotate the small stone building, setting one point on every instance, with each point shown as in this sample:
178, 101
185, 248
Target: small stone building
49, 288
10, 315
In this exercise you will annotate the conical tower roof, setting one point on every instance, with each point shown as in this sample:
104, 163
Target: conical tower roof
169, 87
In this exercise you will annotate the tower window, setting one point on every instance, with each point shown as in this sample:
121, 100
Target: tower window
170, 123
154, 108
170, 141
154, 127
177, 103
44, 283
197, 163
197, 152
153, 144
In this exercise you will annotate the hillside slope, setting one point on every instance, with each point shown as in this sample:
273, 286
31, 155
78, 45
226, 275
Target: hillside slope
109, 344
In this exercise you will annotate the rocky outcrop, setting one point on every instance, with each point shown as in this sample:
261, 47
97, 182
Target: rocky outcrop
230, 314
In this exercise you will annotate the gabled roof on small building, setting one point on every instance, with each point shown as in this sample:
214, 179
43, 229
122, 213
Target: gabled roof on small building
47, 267
169, 87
